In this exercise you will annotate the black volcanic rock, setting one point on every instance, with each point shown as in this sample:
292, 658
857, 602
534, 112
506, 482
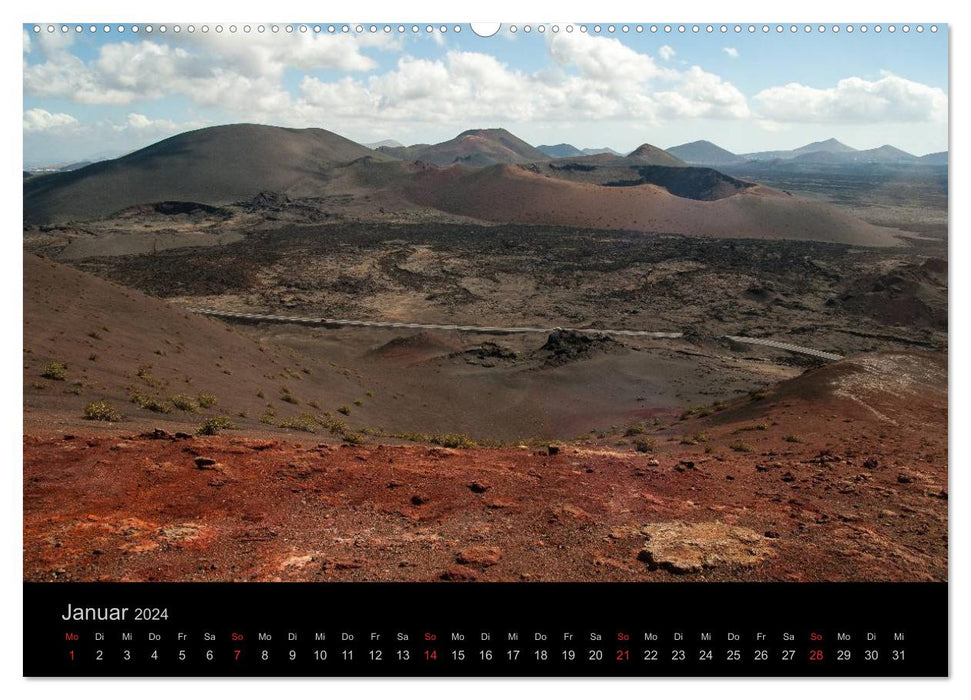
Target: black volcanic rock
563, 346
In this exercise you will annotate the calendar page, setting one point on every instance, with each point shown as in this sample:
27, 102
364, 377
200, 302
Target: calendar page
513, 349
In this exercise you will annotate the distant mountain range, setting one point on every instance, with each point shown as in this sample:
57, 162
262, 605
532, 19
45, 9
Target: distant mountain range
483, 174
60, 168
480, 147
828, 152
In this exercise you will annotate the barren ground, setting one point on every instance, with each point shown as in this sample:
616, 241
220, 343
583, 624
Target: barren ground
385, 455
837, 475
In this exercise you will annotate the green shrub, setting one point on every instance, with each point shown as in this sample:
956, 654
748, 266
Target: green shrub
55, 370
185, 403
345, 409
453, 440
101, 410
353, 438
334, 425
412, 437
740, 446
150, 403
645, 445
207, 400
214, 424
306, 423
633, 430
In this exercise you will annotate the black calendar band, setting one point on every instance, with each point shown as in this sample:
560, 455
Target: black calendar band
486, 629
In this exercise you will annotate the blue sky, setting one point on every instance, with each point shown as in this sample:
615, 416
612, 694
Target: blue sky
100, 94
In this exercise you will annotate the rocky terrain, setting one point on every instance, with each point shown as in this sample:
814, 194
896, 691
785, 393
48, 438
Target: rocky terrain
826, 296
162, 444
837, 475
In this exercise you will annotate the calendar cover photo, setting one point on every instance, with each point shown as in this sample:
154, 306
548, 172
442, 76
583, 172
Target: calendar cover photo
389, 303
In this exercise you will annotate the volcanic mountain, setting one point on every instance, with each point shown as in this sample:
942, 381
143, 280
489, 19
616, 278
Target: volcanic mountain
882, 154
603, 168
217, 165
646, 154
561, 150
475, 147
526, 194
648, 190
386, 143
599, 151
704, 153
934, 158
827, 146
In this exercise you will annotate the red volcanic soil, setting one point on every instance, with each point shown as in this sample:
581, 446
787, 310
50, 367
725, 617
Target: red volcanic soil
509, 193
839, 474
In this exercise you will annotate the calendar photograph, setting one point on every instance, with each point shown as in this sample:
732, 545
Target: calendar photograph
474, 304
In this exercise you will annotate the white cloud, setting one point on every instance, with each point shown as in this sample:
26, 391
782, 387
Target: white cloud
270, 54
604, 59
593, 78
140, 123
41, 120
731, 51
700, 94
27, 42
666, 52
51, 43
212, 69
891, 99
589, 78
